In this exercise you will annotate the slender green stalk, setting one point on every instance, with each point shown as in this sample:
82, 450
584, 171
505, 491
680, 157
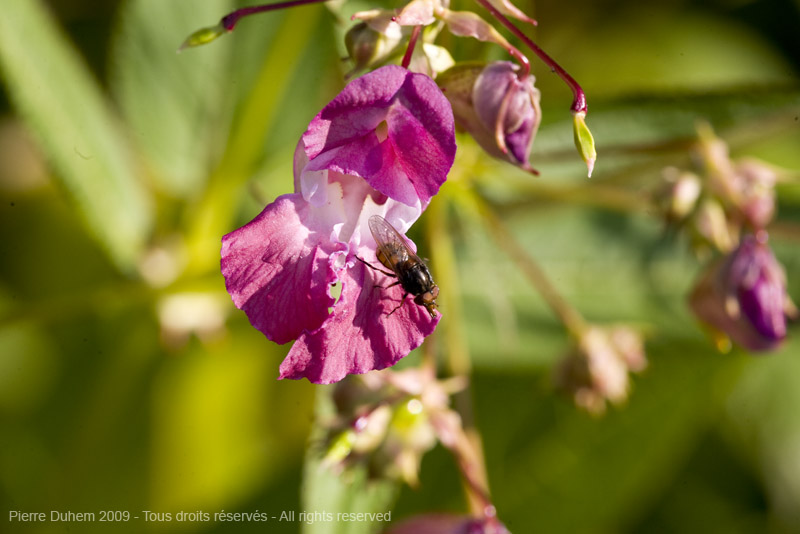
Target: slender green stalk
569, 316
458, 359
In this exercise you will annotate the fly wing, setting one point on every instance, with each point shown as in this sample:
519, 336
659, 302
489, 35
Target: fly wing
392, 247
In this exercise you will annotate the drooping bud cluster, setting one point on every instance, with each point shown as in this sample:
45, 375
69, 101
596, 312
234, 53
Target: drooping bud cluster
725, 208
387, 421
597, 368
723, 200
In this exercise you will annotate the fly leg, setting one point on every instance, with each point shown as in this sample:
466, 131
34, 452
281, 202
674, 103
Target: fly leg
402, 301
387, 273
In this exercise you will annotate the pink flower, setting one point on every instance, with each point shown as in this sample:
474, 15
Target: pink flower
744, 296
383, 146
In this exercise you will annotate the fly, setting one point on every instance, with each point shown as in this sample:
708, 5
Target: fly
411, 272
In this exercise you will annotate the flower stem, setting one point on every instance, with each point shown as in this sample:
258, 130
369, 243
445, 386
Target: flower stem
230, 20
412, 41
472, 466
469, 458
522, 58
579, 100
570, 317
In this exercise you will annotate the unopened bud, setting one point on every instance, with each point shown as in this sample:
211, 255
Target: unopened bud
711, 226
679, 197
756, 184
367, 46
448, 524
744, 296
203, 36
584, 141
597, 369
496, 107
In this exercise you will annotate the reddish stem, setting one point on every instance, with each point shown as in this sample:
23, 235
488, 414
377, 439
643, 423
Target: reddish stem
412, 42
230, 20
579, 100
526, 64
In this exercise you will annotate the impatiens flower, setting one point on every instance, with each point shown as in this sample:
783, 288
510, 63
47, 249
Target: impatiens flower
597, 369
383, 146
500, 110
744, 296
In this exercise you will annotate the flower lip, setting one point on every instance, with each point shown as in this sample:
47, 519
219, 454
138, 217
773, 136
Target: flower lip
359, 335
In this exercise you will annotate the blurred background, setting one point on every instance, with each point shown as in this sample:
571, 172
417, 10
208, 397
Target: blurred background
128, 381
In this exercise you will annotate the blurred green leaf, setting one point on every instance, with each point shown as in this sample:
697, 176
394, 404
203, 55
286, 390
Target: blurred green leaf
175, 103
28, 366
547, 460
220, 407
60, 101
213, 214
763, 413
662, 48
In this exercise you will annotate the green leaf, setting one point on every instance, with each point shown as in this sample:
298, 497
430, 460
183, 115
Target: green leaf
176, 104
763, 413
55, 94
351, 492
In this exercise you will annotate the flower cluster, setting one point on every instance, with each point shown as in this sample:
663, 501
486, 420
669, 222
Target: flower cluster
741, 294
388, 421
382, 147
328, 267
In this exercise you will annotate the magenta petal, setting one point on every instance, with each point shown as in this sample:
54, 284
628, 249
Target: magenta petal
406, 159
278, 270
360, 335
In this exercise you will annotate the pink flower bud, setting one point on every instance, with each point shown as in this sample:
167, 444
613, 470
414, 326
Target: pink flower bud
500, 110
744, 296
